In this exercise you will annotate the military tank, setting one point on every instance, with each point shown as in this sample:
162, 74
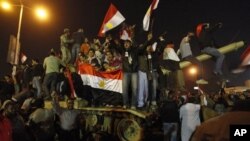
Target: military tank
116, 123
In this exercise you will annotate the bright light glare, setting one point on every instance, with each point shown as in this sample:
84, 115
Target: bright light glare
193, 70
41, 13
5, 5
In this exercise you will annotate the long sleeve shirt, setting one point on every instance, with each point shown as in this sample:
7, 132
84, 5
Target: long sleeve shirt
68, 117
52, 64
185, 48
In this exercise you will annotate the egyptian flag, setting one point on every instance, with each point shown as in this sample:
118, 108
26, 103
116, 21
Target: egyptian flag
71, 85
245, 57
106, 87
146, 19
112, 19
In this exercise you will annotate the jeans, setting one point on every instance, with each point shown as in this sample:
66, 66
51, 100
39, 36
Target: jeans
49, 82
219, 58
170, 131
37, 84
129, 79
74, 52
142, 88
154, 86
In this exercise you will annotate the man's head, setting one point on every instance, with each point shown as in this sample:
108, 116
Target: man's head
127, 44
109, 55
80, 30
91, 53
170, 44
66, 31
8, 78
9, 108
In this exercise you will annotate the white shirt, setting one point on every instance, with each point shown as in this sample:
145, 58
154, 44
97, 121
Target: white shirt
190, 118
170, 54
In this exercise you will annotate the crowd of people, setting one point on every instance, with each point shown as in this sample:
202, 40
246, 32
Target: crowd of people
151, 73
186, 116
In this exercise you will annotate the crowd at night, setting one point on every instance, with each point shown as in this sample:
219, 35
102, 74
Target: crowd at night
126, 83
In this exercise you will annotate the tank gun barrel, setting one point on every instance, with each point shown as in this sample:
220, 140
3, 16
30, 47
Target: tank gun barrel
225, 49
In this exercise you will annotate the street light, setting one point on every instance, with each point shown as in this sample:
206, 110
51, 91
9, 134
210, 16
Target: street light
5, 5
40, 12
193, 70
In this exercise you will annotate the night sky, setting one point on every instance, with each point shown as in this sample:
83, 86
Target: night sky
174, 16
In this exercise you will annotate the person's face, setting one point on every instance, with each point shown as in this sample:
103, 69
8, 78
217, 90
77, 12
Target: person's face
86, 40
109, 56
106, 66
7, 78
10, 109
67, 33
91, 53
127, 44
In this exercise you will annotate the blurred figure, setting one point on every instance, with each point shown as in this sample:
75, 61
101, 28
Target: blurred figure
41, 122
204, 33
85, 47
68, 119
217, 129
170, 117
187, 55
171, 63
5, 128
51, 64
190, 118
19, 132
92, 59
38, 73
78, 38
7, 89
66, 41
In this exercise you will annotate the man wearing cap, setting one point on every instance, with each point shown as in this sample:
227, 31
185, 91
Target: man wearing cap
65, 43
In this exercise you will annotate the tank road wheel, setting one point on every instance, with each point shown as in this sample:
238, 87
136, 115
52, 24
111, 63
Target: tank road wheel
91, 121
129, 130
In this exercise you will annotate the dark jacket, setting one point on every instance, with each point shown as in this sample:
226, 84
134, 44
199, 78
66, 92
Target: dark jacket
38, 70
133, 52
169, 111
206, 36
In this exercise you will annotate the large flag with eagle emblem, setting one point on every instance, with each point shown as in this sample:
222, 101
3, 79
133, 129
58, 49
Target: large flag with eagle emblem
105, 87
108, 81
